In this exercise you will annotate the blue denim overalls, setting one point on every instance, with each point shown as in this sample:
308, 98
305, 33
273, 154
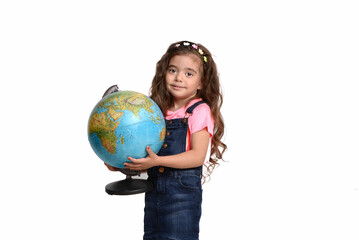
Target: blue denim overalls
173, 207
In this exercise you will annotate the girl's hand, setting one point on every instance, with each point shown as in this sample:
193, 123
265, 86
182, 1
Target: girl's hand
143, 163
111, 168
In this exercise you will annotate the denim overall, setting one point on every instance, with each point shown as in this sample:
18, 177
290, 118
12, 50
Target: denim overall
173, 207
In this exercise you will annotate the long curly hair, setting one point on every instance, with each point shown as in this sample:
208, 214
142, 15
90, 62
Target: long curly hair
210, 92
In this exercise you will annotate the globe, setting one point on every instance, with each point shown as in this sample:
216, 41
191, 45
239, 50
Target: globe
123, 124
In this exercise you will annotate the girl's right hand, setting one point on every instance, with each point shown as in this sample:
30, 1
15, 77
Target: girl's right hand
111, 168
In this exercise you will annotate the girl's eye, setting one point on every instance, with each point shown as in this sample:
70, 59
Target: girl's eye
189, 74
171, 70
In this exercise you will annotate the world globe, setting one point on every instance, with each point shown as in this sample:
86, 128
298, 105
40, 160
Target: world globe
123, 124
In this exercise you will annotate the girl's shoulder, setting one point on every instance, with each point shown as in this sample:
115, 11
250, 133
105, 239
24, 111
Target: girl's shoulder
203, 108
201, 118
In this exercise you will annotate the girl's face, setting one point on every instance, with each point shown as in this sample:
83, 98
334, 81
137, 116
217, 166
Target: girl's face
183, 77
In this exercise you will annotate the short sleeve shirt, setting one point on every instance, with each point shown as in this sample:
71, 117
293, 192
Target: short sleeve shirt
201, 118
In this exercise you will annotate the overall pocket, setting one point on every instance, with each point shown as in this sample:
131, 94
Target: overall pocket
190, 181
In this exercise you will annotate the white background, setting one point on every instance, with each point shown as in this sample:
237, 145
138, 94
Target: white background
289, 71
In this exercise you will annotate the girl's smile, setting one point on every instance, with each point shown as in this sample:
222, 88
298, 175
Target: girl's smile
176, 87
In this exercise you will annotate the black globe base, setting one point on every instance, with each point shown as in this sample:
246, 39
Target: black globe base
129, 186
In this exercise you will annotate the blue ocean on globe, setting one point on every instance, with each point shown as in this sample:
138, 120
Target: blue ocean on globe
123, 124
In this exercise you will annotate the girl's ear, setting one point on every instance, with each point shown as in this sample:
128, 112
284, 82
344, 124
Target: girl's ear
200, 86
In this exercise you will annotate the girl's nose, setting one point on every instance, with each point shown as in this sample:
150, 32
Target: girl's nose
178, 78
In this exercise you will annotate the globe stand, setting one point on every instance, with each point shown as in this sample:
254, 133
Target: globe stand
129, 186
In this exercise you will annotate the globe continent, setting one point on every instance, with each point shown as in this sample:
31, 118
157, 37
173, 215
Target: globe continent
123, 124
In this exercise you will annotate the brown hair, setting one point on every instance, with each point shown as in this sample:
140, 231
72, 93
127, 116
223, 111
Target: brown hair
210, 92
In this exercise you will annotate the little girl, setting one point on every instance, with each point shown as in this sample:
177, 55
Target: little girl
186, 87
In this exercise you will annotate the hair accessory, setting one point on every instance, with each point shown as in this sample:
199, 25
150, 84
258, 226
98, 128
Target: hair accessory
195, 46
200, 51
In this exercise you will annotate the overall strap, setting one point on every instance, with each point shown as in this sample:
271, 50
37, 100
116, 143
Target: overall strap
191, 108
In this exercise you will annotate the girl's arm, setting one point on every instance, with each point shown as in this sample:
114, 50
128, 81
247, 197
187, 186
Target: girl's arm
190, 159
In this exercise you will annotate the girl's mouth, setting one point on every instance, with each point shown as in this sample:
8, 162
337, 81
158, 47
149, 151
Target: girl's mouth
177, 87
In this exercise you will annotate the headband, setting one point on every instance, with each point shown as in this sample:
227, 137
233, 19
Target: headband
195, 46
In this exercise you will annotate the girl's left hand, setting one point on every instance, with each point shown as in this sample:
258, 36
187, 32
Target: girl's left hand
143, 163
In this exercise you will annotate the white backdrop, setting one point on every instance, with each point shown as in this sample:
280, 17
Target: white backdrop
289, 71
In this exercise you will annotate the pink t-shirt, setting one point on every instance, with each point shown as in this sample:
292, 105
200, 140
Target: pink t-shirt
200, 118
